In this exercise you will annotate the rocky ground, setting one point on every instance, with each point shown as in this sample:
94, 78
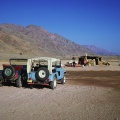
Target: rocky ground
90, 93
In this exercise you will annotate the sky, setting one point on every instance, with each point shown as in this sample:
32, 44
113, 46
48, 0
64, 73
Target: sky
85, 22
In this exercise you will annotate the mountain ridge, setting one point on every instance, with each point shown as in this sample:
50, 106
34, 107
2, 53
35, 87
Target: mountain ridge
99, 51
38, 41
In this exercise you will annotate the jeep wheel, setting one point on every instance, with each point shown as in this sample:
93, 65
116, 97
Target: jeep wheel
24, 78
1, 83
63, 80
8, 72
42, 74
31, 86
19, 82
53, 84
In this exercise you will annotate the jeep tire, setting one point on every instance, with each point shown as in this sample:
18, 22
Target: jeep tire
8, 72
63, 80
19, 82
42, 74
53, 84
1, 81
24, 78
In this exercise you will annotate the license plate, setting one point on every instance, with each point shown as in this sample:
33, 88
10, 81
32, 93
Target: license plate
29, 81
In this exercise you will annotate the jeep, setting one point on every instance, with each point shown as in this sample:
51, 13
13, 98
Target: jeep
45, 70
16, 72
42, 70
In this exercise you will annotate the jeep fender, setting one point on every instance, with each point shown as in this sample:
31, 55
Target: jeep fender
51, 76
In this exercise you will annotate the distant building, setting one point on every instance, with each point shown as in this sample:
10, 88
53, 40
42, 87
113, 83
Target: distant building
86, 59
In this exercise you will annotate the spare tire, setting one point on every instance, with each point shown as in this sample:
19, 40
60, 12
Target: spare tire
8, 72
42, 74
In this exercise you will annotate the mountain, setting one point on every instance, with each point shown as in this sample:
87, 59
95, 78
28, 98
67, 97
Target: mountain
35, 40
99, 51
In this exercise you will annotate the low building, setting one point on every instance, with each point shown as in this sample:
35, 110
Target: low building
95, 60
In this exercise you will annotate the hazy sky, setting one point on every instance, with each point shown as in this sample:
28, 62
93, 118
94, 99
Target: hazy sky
86, 22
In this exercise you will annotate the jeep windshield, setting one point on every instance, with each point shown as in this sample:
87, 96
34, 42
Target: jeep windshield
18, 61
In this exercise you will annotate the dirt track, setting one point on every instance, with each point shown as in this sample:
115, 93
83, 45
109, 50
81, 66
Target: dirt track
87, 95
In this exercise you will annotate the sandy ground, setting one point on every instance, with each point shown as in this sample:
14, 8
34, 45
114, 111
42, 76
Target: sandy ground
94, 68
90, 93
